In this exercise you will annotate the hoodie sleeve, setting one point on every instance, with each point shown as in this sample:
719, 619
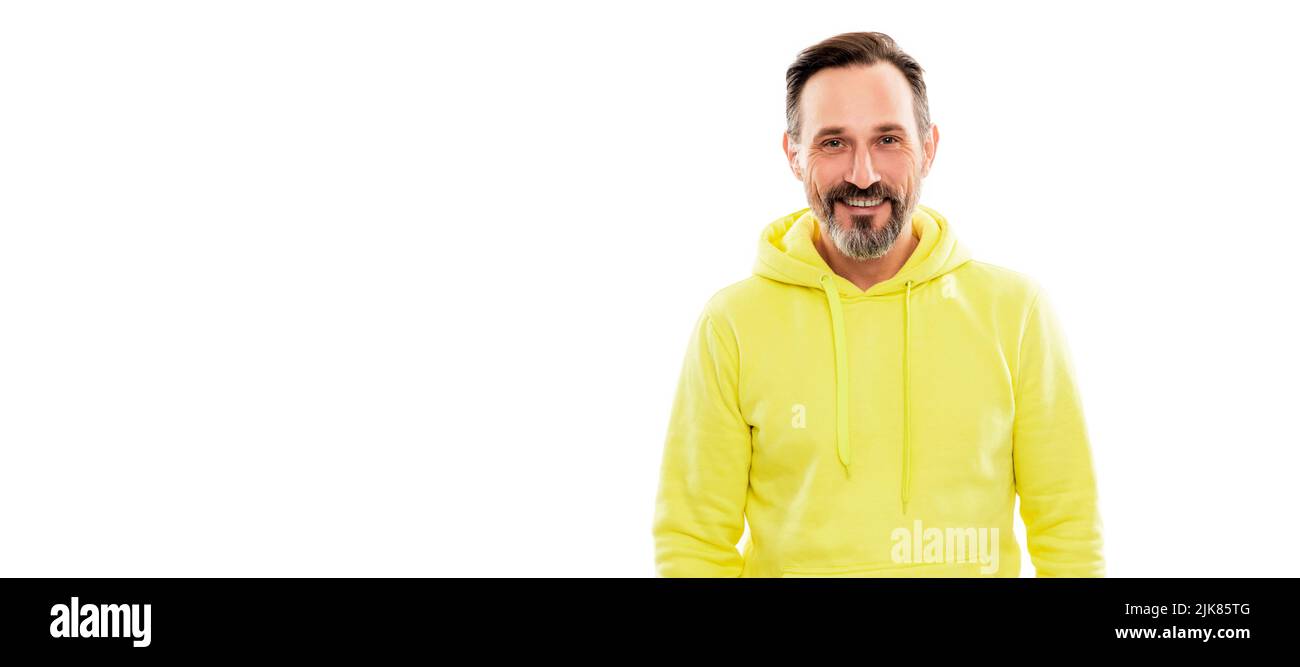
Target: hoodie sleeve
1053, 462
704, 477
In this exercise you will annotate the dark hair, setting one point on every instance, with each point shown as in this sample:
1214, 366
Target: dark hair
848, 49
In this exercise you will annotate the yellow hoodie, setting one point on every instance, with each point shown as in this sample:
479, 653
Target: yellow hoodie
877, 433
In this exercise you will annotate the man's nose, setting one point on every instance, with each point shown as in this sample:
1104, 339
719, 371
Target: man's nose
863, 174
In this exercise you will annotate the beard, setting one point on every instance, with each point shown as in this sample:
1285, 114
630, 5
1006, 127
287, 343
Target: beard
860, 239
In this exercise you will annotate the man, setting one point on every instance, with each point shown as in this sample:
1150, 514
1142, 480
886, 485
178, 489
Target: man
872, 399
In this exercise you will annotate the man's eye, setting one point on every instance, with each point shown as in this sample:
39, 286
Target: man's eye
828, 143
891, 137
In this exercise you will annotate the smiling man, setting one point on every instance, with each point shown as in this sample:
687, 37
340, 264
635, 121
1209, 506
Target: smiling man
872, 400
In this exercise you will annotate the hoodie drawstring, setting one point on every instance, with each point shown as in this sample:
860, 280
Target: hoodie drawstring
841, 372
907, 398
842, 383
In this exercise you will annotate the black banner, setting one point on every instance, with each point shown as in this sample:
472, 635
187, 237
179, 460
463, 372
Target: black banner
943, 618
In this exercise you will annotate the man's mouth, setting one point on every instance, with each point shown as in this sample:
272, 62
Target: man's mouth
855, 205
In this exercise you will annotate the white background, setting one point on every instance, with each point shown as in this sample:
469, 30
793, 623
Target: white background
373, 289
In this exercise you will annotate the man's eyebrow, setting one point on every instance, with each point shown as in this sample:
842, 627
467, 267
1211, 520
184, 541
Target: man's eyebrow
886, 127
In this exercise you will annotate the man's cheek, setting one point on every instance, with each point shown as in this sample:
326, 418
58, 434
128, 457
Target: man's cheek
814, 192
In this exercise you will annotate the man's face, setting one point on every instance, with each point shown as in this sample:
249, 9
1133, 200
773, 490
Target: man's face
860, 146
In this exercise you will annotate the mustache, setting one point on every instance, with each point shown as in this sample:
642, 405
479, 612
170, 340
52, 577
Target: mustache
850, 191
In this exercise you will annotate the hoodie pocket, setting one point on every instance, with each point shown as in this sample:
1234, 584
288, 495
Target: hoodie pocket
887, 570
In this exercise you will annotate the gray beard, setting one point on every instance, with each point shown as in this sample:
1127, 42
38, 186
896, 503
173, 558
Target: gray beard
864, 243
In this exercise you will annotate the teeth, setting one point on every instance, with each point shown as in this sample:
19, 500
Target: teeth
863, 203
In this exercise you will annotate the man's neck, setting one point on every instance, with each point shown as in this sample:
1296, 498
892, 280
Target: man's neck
867, 272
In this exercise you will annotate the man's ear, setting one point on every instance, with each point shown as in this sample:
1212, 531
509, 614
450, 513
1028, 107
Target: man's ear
791, 155
930, 148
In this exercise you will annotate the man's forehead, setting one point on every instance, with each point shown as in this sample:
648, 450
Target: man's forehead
857, 99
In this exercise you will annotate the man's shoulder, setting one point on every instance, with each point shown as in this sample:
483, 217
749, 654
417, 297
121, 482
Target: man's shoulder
1000, 281
732, 302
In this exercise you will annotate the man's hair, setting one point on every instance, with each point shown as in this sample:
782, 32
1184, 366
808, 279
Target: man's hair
849, 49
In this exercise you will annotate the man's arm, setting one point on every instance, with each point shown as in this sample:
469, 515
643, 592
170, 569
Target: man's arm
1052, 458
704, 478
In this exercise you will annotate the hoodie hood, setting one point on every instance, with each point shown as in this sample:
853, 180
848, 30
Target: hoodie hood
787, 254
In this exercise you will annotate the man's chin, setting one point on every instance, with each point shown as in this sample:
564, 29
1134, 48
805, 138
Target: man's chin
846, 240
